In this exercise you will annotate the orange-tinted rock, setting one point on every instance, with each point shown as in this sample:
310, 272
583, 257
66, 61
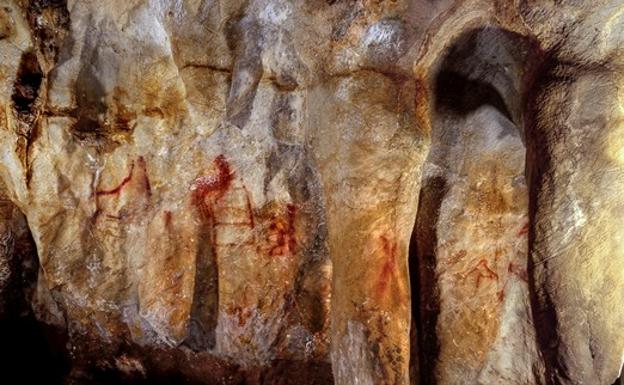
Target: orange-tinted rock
272, 191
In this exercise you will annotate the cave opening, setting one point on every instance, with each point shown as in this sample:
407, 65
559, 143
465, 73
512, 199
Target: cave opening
469, 243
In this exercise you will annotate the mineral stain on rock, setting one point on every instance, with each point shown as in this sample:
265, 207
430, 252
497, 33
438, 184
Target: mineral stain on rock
24, 97
312, 192
207, 190
26, 87
281, 233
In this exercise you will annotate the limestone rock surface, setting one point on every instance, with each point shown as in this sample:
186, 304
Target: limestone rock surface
355, 192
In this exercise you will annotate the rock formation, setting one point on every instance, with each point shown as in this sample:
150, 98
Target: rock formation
355, 192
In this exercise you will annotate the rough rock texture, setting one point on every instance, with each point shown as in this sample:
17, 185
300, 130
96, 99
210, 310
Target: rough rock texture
354, 192
476, 238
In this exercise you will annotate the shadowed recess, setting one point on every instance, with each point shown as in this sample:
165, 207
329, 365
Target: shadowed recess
474, 72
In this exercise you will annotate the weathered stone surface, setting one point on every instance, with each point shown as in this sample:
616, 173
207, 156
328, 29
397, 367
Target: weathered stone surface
18, 261
472, 226
576, 253
275, 192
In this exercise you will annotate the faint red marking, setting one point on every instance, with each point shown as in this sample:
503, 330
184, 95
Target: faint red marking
117, 190
249, 208
241, 314
146, 182
518, 271
247, 211
455, 258
212, 187
281, 233
524, 230
483, 271
128, 179
501, 295
388, 268
207, 194
497, 254
168, 219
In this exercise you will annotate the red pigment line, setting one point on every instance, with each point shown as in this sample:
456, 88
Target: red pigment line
146, 181
524, 230
249, 208
387, 270
276, 251
291, 211
118, 189
518, 271
214, 185
242, 315
282, 233
497, 254
488, 273
168, 219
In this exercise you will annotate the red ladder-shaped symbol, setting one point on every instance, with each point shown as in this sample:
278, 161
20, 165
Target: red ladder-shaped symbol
234, 219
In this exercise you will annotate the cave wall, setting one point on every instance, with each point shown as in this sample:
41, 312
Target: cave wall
350, 192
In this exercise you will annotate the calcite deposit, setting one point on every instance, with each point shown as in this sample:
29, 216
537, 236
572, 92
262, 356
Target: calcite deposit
349, 192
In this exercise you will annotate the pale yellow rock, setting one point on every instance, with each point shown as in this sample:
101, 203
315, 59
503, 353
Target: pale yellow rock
386, 192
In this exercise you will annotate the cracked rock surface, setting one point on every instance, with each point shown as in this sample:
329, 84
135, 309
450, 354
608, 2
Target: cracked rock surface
350, 192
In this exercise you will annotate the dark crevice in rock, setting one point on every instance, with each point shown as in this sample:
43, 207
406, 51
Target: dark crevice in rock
284, 372
26, 90
538, 161
139, 365
24, 98
472, 74
18, 263
206, 66
306, 303
26, 87
485, 66
425, 294
245, 41
283, 83
101, 118
204, 311
461, 96
205, 306
31, 351
49, 20
90, 97
307, 297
